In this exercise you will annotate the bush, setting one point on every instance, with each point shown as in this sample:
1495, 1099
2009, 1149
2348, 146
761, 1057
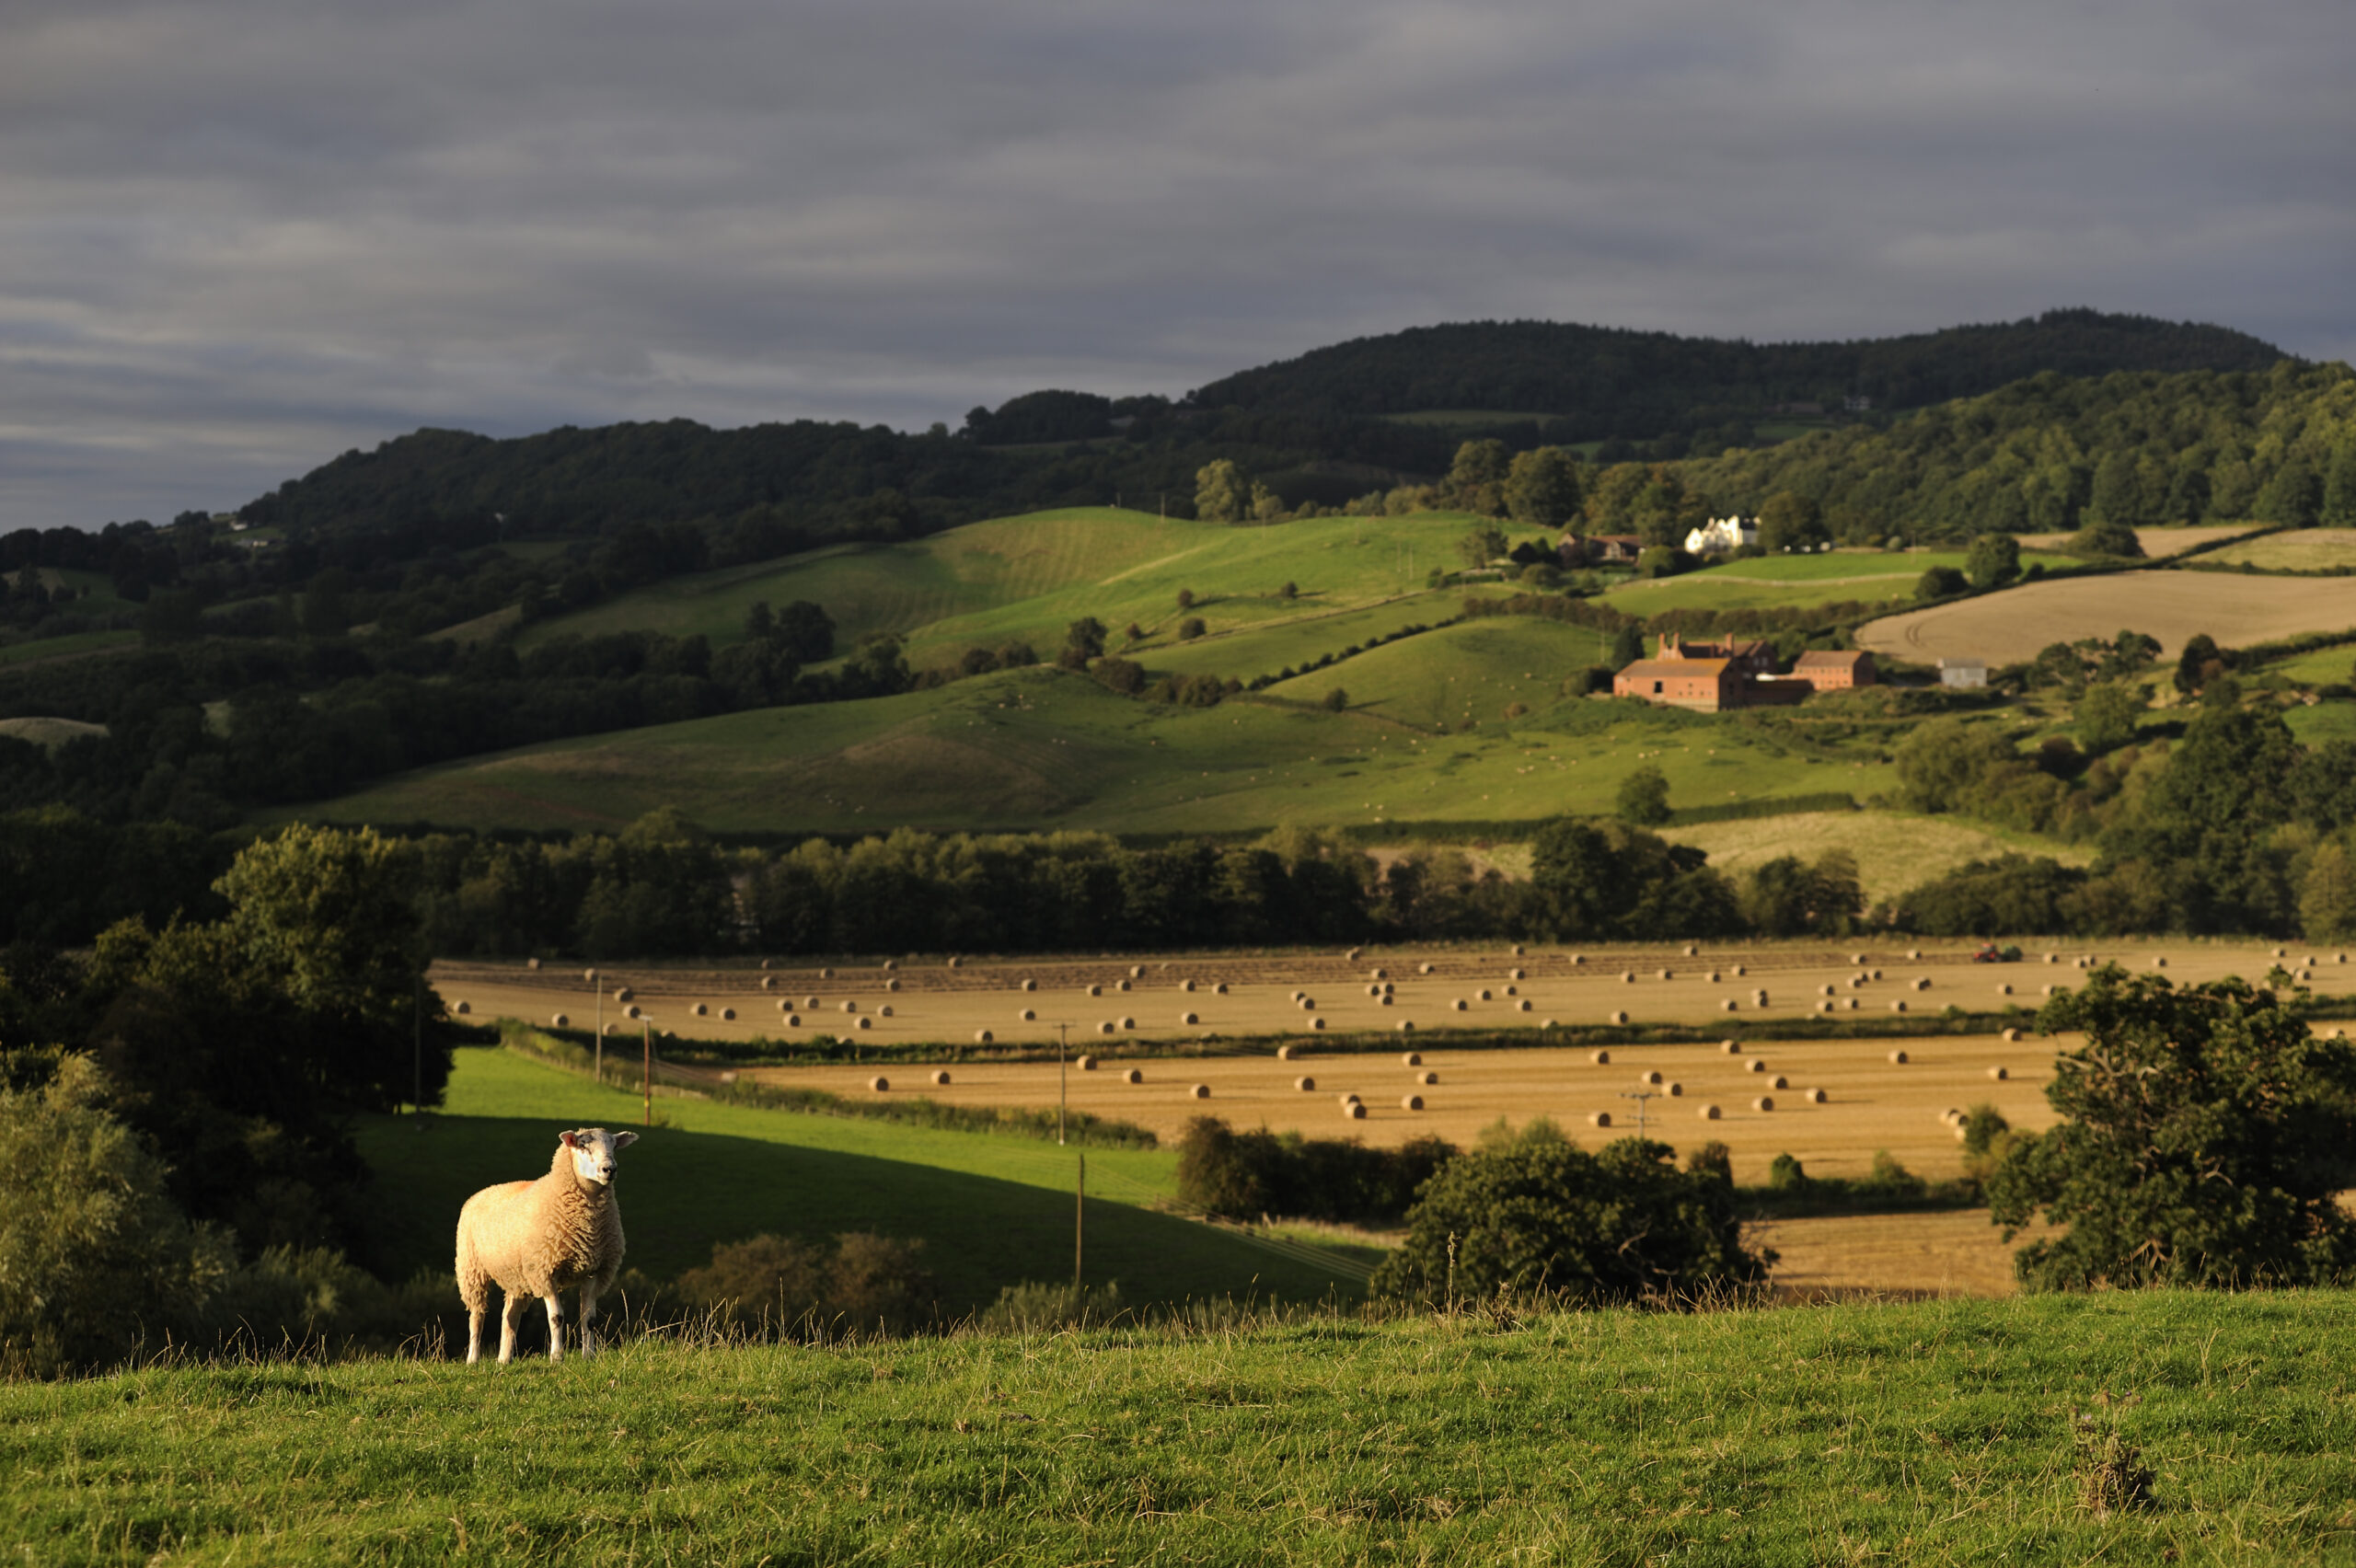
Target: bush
1337, 700
779, 1286
1539, 1216
1940, 582
1191, 629
1644, 797
1244, 1175
1031, 1307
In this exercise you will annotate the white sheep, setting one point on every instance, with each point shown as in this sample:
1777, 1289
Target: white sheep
536, 1239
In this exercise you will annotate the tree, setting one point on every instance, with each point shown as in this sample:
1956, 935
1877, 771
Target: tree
2107, 715
1476, 480
1644, 797
1627, 645
1994, 561
1539, 1216
1185, 598
2327, 895
1939, 582
2200, 662
1220, 494
1542, 488
1190, 629
1337, 700
2107, 539
1790, 520
1483, 546
2203, 1139
327, 914
806, 632
1083, 641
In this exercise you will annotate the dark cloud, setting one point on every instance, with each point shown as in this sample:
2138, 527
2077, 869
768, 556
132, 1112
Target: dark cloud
242, 237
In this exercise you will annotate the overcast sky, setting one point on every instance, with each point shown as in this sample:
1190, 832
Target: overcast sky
239, 236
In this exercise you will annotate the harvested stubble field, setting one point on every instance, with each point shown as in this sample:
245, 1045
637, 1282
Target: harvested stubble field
2295, 549
2011, 627
2158, 543
1176, 1037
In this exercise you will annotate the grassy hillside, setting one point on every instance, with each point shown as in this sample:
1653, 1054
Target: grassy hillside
1799, 581
993, 1210
1032, 576
1937, 1433
1045, 749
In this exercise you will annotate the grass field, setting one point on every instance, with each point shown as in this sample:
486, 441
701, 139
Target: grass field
2322, 666
47, 732
2324, 722
1043, 749
2012, 626
1895, 851
993, 1210
1932, 1433
2294, 549
1030, 577
67, 647
1797, 581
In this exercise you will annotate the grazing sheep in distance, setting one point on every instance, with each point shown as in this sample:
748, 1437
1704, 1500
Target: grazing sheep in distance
537, 1239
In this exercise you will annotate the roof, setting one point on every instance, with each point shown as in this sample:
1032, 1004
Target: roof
1963, 663
1820, 657
1663, 669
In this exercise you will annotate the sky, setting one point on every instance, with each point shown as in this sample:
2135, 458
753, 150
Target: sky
239, 237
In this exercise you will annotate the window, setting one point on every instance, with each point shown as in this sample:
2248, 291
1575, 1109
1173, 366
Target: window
1656, 688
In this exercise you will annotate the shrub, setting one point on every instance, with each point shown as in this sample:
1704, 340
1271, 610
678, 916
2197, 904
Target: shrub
778, 1285
1191, 629
1939, 582
1244, 1175
1541, 1217
1337, 700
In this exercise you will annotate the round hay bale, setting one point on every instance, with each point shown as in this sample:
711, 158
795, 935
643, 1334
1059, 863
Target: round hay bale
1913, 952
956, 961
1128, 1023
890, 964
879, 1083
1188, 1018
1384, 1000
769, 981
1120, 985
1708, 1113
624, 994
1517, 950
1779, 1081
2004, 990
1086, 1064
1922, 983
1135, 1075
1186, 985
1600, 1058
1306, 1085
2160, 960
701, 1011
728, 1015
1354, 1111
1743, 969
1483, 996
1136, 971
1427, 1077
1354, 954
1599, 1119
2051, 989
1200, 1091
1309, 1004
1411, 1102
1516, 975
2277, 954
1856, 958
1754, 1064
1898, 1007
1897, 1058
1578, 958
941, 1074
1372, 989
1617, 1018
1824, 1007
1459, 1005
1411, 1059
1675, 1091
1764, 1102
1852, 1004
851, 1007
1030, 985
1426, 969
1028, 1015
1627, 977
1316, 1024
1379, 973
561, 1021
1691, 949
1667, 974
1350, 1099
793, 1021
1219, 989
1105, 1026
1293, 996
1522, 1006
826, 975
610, 1028
1876, 974
1999, 1073
1548, 1024
1824, 990
1286, 1053
1096, 990
810, 1004
1729, 1004
866, 1022
1813, 1096
535, 964
1406, 1026
1716, 977
463, 1009
630, 1012
1650, 1078
2052, 958
2012, 1036
1729, 1047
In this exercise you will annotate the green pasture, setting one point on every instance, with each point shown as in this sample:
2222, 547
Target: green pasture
2334, 665
2295, 549
1043, 749
993, 1209
1779, 582
67, 647
1030, 577
2324, 722
1269, 647
1926, 1434
1464, 419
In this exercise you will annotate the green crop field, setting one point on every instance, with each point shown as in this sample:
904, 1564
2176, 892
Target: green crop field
2334, 665
992, 1209
1045, 749
1032, 576
1935, 1433
1799, 581
2324, 722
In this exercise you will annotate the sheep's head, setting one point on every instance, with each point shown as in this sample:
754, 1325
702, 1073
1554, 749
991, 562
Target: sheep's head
594, 1150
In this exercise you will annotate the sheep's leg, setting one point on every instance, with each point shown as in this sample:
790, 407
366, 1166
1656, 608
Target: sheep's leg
589, 1317
511, 1314
474, 1334
556, 1326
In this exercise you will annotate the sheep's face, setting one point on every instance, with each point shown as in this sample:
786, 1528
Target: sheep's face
594, 1150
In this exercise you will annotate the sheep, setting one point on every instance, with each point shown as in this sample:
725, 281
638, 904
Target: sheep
538, 1238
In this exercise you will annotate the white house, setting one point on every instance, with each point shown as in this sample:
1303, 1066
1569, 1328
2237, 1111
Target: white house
1722, 534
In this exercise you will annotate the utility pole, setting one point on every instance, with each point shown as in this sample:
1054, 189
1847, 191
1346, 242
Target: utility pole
1063, 1079
417, 1054
646, 1083
1079, 1221
1639, 1096
598, 991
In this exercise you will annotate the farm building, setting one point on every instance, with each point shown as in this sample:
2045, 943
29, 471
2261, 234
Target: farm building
1706, 686
1722, 534
1749, 658
1599, 549
1826, 671
1963, 674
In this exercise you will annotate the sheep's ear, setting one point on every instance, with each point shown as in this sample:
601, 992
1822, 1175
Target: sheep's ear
566, 1139
623, 1140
